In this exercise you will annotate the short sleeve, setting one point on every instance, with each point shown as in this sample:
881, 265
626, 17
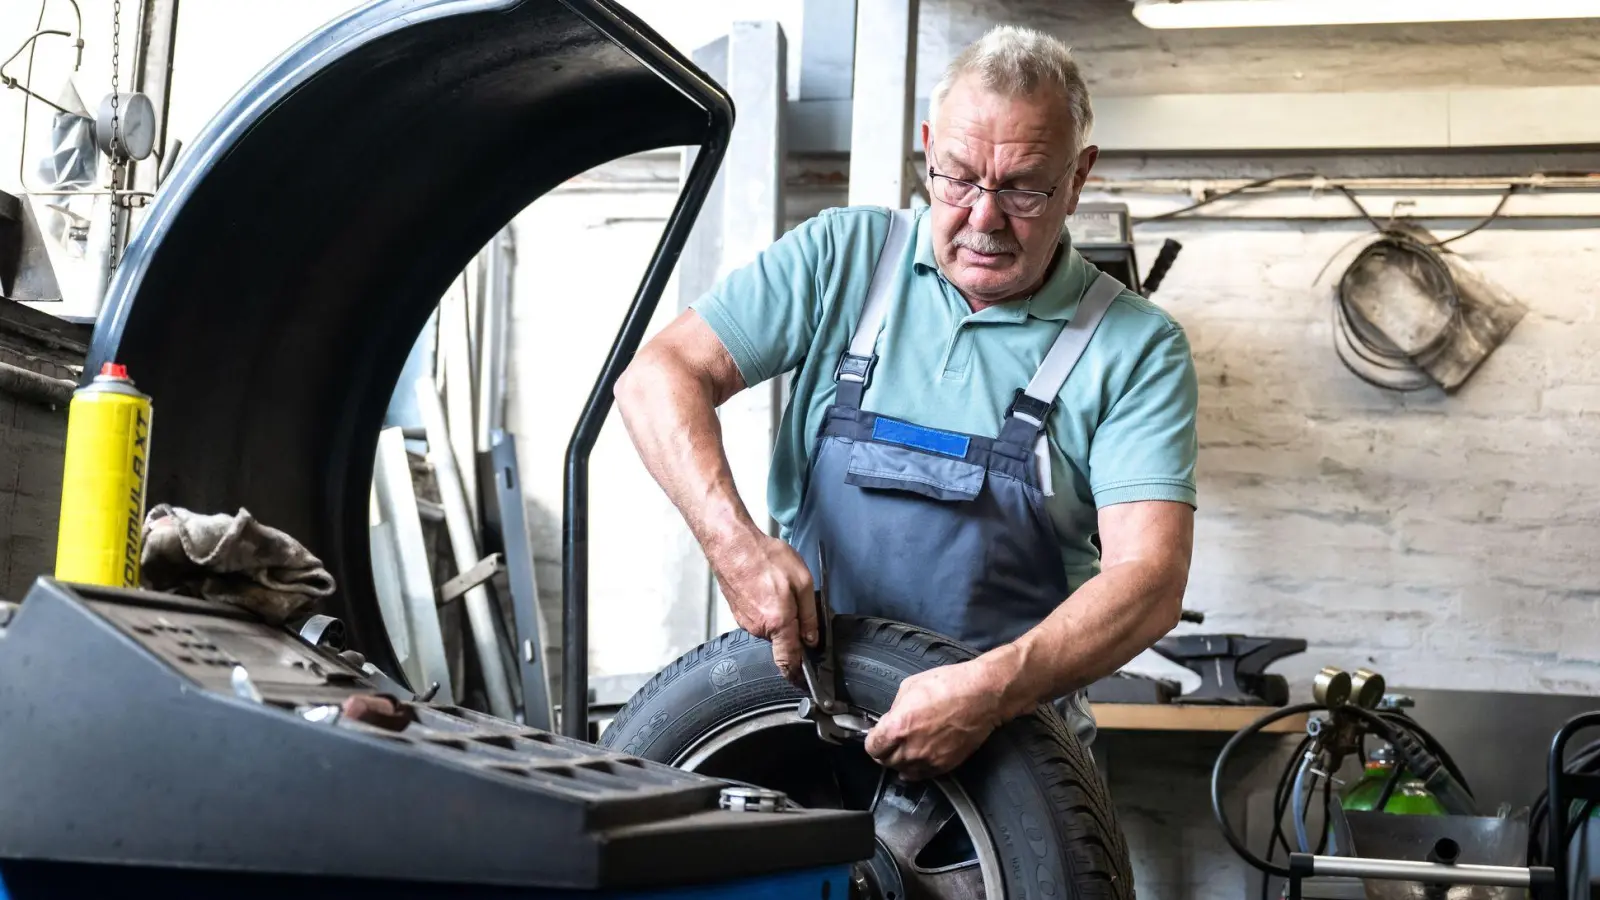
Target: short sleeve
1145, 448
766, 312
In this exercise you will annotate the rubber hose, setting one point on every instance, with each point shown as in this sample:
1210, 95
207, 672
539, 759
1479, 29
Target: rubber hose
1432, 743
1389, 785
1299, 803
1581, 821
1434, 747
1280, 805
1423, 763
1280, 800
1216, 784
1584, 760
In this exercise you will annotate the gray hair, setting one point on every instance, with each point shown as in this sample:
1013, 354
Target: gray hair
1016, 62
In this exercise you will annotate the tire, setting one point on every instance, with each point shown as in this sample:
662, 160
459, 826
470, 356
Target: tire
1033, 785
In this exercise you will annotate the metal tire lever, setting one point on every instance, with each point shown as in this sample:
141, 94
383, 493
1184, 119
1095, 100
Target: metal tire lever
836, 721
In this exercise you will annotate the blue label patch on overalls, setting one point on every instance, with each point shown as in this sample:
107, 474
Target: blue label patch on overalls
930, 439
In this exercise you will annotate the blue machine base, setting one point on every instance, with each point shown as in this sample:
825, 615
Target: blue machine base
31, 880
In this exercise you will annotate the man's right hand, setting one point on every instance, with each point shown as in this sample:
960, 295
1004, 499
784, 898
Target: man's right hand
770, 592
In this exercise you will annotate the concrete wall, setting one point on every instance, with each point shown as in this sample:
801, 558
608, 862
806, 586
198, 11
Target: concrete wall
1444, 541
33, 439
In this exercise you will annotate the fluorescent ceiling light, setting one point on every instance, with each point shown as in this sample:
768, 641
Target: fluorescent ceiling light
1270, 13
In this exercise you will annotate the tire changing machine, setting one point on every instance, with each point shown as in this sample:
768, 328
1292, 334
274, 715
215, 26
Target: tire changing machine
157, 743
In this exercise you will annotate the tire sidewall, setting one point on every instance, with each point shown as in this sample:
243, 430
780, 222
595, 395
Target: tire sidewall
734, 675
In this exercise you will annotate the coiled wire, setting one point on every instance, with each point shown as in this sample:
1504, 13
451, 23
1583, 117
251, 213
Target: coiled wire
1362, 347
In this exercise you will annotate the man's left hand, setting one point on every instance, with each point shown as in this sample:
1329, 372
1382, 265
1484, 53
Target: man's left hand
938, 719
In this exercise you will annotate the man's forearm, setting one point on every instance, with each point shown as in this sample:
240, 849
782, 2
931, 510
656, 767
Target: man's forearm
669, 398
1114, 617
670, 414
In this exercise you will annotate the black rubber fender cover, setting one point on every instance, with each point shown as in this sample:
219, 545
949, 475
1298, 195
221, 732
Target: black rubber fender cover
268, 301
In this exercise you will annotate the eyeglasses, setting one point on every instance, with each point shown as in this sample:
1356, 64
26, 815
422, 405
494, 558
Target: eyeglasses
965, 194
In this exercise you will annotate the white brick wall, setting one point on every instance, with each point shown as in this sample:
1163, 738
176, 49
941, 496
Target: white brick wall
1445, 541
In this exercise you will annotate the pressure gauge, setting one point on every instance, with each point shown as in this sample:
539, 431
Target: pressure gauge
136, 125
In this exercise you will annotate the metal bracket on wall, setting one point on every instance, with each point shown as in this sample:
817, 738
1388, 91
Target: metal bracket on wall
506, 504
487, 568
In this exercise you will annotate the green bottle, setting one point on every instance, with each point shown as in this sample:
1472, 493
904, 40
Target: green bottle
1409, 798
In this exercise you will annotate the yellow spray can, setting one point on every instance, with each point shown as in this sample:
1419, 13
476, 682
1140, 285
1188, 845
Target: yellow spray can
103, 483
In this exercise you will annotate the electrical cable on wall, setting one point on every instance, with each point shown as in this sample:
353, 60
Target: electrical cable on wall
1361, 345
1207, 201
1403, 263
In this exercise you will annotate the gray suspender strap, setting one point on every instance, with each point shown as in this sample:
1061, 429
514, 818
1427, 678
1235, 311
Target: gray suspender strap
1026, 418
855, 366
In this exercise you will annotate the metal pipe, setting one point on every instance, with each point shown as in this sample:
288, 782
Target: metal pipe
1196, 186
575, 528
34, 386
413, 579
168, 158
95, 193
1432, 873
575, 524
458, 522
152, 76
1302, 837
493, 324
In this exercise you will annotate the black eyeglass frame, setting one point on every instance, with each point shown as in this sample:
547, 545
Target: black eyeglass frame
1000, 195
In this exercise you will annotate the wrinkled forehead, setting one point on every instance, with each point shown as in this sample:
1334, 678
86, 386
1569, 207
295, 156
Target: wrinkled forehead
975, 122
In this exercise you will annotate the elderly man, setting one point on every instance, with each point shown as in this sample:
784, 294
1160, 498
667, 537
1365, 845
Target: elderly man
991, 439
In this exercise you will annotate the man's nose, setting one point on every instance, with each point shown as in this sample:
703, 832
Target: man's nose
986, 215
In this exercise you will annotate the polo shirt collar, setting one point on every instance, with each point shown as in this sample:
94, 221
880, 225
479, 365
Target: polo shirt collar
1055, 300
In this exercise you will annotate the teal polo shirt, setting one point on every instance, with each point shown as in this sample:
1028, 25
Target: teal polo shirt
1122, 431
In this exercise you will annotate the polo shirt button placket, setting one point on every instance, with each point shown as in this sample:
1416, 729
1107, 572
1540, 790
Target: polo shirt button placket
959, 353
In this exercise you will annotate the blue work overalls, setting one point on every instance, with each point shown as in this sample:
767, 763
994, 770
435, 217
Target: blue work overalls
938, 529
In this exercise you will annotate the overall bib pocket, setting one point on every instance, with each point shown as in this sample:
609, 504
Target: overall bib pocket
888, 467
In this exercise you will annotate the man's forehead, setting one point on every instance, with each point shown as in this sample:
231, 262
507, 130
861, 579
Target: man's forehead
973, 121
956, 147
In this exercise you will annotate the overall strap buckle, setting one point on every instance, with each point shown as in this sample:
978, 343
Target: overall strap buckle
855, 368
1031, 409
1025, 419
851, 377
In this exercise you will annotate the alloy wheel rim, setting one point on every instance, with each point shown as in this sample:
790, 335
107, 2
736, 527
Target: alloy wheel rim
931, 843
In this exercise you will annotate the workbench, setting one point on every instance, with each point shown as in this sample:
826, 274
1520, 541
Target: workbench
1182, 717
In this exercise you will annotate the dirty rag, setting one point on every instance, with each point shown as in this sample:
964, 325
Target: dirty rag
231, 559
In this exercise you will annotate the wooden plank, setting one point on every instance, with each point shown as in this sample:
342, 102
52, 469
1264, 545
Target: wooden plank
1179, 717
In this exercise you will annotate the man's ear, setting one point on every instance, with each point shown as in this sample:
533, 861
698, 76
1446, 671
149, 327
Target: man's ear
1086, 160
927, 135
1080, 175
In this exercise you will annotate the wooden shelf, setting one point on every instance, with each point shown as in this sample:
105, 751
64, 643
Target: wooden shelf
1178, 717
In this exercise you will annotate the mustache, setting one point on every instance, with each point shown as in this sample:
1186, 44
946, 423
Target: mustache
988, 243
